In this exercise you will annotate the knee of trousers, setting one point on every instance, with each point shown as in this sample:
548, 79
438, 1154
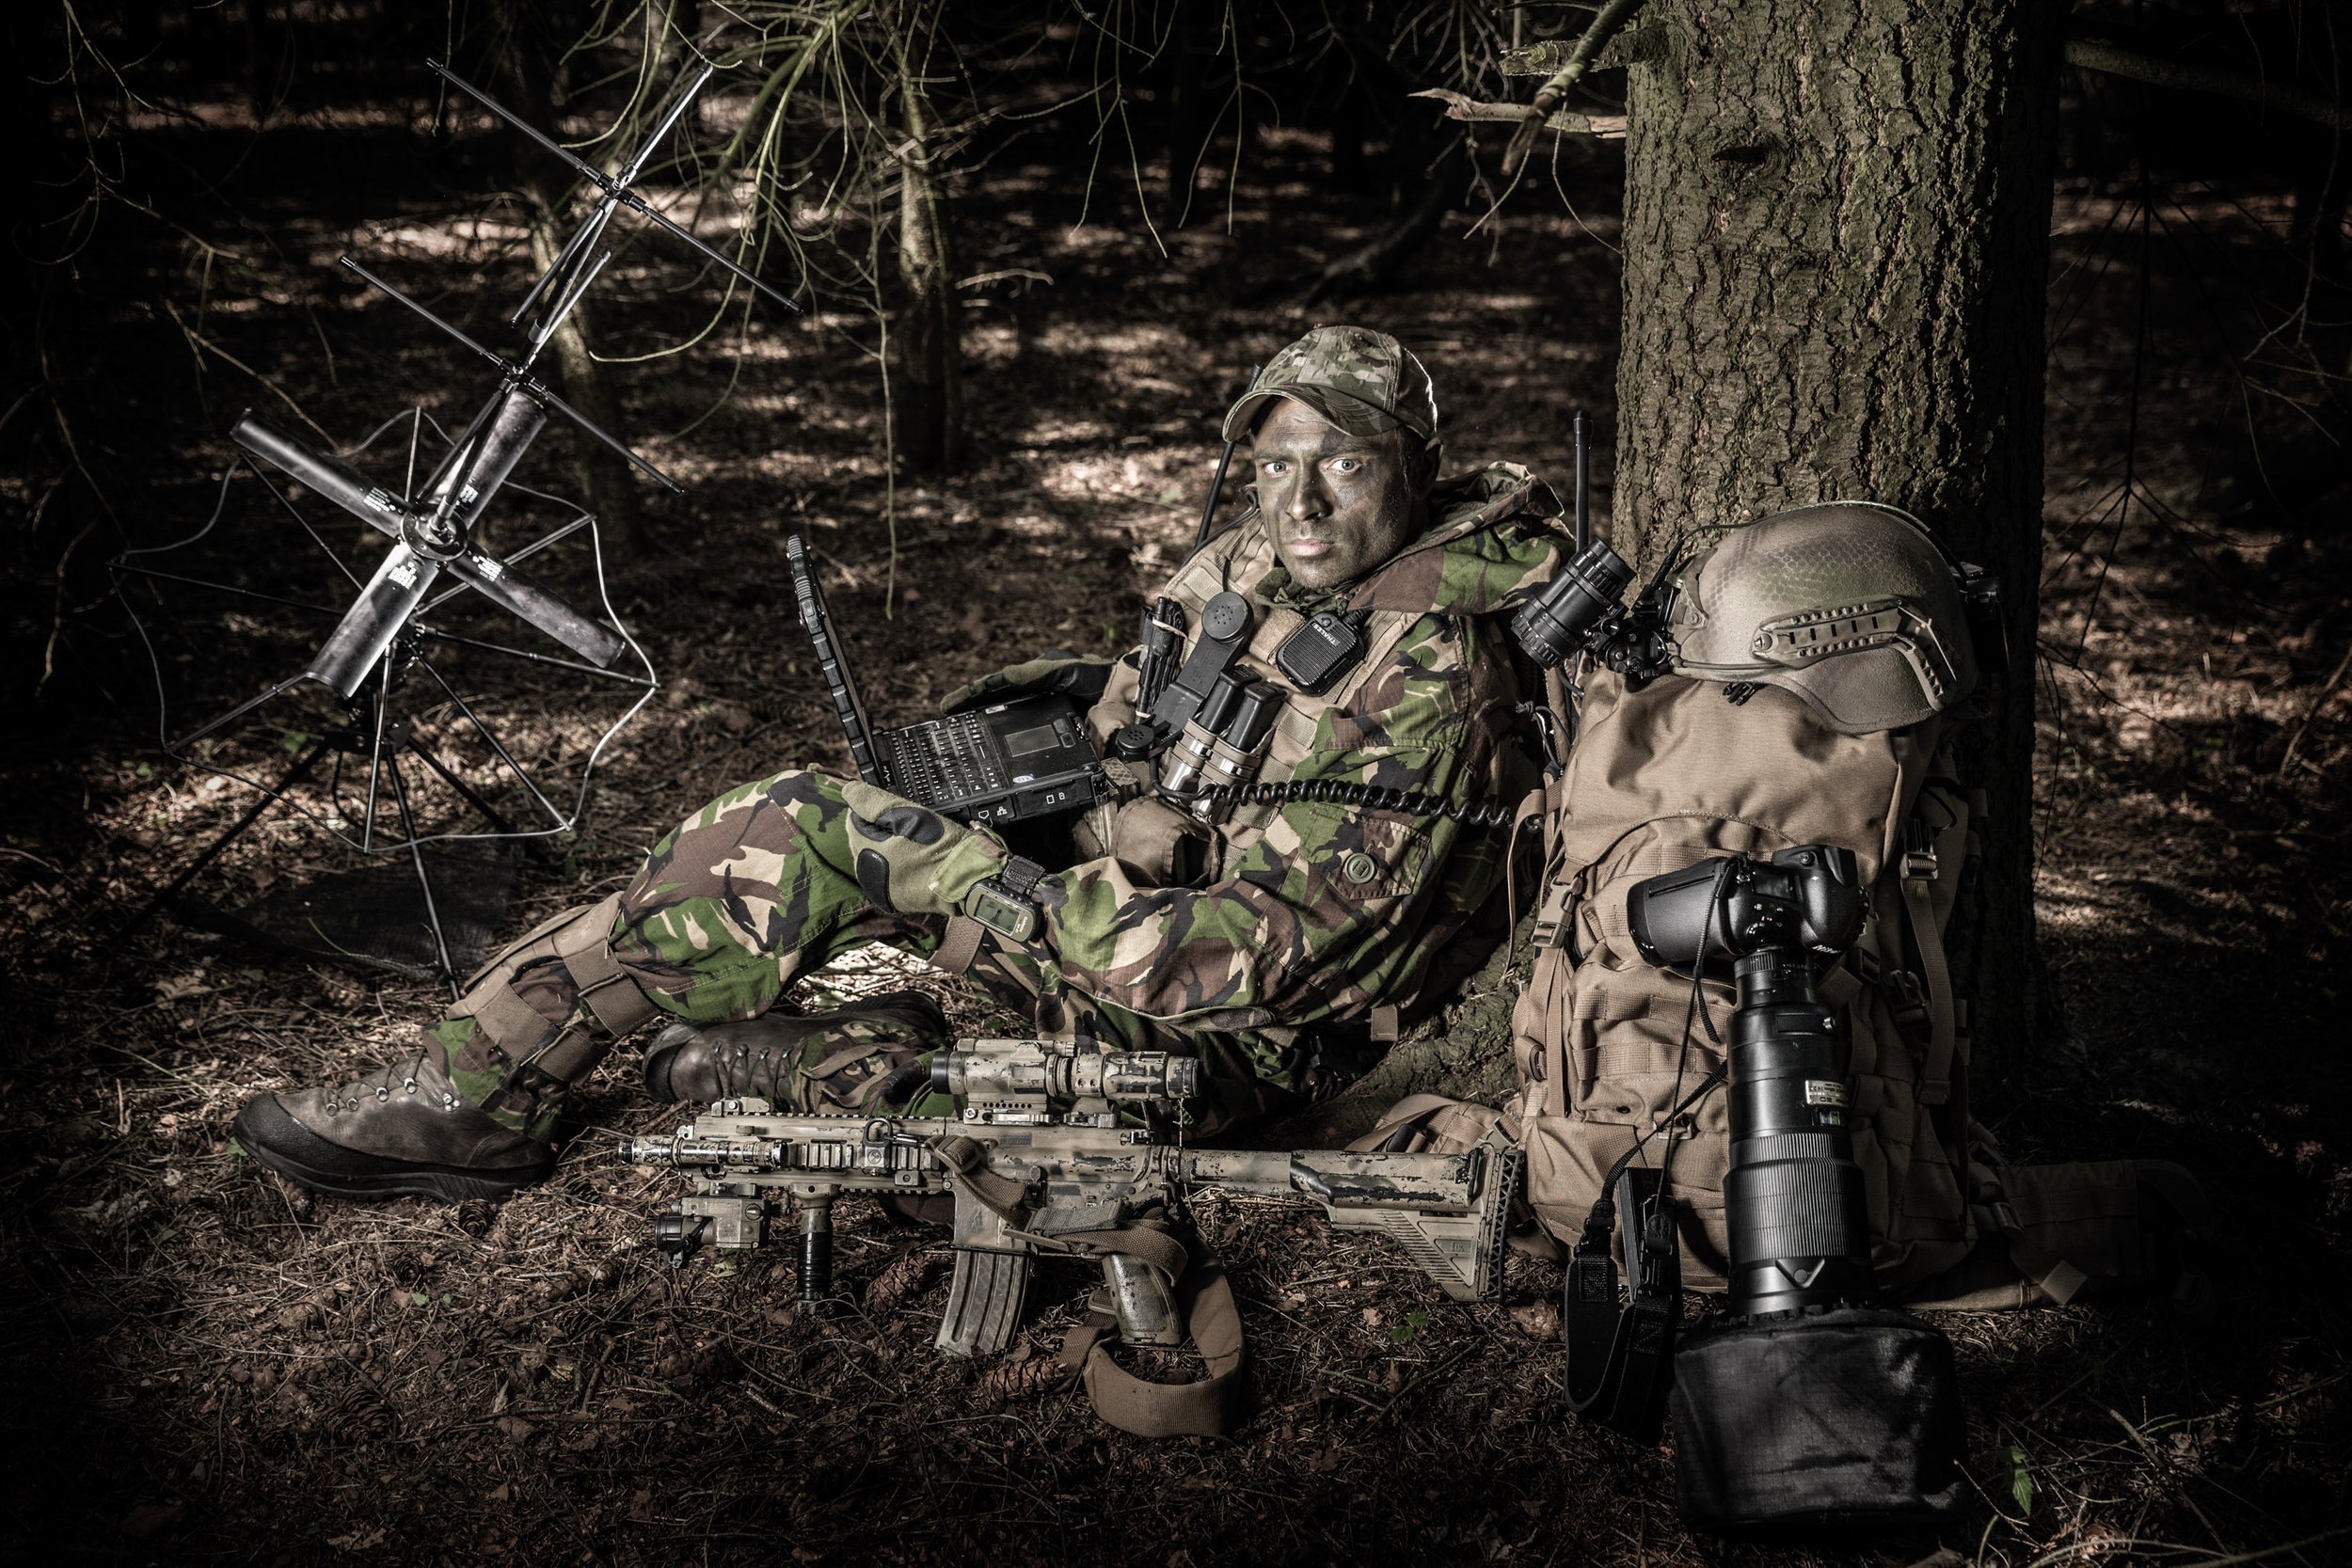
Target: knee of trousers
580, 941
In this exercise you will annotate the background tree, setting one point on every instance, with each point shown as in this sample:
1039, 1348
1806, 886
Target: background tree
1837, 254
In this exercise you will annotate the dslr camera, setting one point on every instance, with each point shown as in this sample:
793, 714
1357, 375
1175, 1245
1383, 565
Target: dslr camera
1804, 1404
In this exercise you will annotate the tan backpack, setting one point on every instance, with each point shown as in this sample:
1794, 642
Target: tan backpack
1820, 660
1607, 1045
1673, 774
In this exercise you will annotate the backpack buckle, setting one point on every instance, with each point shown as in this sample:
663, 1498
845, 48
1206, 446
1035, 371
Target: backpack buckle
1919, 863
1552, 915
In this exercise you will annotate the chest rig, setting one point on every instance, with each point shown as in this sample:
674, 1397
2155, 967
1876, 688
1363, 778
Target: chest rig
1243, 715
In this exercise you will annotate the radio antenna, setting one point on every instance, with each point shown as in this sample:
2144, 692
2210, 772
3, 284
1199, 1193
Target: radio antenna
1216, 485
429, 523
1584, 514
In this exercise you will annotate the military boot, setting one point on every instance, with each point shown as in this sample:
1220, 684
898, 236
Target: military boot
400, 1129
857, 1058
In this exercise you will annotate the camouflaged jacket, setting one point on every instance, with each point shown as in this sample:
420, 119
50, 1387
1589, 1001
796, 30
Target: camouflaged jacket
1286, 915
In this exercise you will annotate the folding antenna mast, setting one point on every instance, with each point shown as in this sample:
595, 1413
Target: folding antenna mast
431, 526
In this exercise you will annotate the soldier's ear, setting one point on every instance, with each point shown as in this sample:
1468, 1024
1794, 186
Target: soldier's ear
1421, 460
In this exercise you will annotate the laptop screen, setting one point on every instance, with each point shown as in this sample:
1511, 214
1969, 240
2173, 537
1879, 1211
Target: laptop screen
830, 662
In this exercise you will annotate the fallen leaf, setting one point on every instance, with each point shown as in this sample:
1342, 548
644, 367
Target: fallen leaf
1537, 1320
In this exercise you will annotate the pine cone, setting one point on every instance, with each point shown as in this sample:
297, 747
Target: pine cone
901, 1280
1010, 1379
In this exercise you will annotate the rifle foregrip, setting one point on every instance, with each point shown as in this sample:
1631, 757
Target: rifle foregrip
984, 1301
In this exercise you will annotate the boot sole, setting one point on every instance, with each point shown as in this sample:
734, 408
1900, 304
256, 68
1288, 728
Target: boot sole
448, 1184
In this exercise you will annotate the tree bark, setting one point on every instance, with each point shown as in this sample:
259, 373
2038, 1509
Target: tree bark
926, 360
1837, 254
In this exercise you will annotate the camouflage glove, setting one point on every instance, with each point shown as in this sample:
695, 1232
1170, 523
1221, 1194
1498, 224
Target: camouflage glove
912, 861
1052, 671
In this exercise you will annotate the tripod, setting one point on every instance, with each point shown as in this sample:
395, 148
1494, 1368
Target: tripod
368, 731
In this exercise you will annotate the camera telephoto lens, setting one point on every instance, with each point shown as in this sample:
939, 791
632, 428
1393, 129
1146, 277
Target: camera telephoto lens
1792, 1196
1804, 1407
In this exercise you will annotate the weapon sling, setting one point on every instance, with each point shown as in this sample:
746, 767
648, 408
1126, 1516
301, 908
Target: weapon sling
1204, 1302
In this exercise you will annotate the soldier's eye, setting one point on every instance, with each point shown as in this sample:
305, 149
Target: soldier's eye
1346, 464
1275, 465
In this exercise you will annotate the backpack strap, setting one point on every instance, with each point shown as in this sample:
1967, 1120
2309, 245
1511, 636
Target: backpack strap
1918, 874
1536, 806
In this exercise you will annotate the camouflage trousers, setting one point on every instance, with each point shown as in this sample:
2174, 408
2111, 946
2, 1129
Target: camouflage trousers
759, 887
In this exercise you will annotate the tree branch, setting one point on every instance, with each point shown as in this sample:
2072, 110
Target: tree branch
1461, 107
2156, 71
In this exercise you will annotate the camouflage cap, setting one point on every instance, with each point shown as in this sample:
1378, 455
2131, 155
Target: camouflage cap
1362, 381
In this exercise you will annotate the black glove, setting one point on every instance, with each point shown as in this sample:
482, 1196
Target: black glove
1052, 671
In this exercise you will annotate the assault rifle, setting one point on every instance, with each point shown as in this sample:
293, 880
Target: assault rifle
1039, 1161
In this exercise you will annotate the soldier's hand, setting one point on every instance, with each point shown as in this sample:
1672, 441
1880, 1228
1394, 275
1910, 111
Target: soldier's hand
1081, 679
910, 859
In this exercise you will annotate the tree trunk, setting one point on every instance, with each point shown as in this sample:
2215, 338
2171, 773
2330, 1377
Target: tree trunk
1837, 251
926, 359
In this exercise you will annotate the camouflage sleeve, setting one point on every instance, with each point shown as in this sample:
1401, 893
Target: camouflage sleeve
1323, 915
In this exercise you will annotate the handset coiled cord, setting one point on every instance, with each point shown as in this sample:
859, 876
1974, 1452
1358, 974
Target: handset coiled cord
1347, 792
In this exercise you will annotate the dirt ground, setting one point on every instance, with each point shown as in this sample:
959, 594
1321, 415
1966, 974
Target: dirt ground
204, 1364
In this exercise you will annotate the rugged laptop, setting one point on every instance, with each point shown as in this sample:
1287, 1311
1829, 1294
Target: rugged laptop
1028, 757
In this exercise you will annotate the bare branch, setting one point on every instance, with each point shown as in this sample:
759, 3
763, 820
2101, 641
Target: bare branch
2156, 71
1462, 106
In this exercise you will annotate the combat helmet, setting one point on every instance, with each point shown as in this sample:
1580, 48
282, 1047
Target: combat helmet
1851, 606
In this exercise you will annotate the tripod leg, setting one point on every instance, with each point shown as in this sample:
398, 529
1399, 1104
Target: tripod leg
424, 883
488, 811
174, 748
270, 797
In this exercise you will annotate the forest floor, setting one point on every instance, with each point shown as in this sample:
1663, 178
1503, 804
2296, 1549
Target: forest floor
204, 1364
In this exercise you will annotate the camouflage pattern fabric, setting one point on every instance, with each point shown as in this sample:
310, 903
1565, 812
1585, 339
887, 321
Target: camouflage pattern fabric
1323, 911
760, 886
1081, 679
1362, 381
1314, 912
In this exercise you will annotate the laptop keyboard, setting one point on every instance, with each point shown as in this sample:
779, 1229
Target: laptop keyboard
942, 761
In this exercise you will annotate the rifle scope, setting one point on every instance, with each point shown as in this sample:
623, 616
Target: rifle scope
1057, 1070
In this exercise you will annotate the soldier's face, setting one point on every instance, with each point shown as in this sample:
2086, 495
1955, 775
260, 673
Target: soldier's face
1339, 504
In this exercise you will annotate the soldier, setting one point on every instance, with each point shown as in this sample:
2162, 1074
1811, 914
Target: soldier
1253, 941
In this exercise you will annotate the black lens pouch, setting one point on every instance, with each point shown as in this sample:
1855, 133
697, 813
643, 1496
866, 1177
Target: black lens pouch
1814, 1423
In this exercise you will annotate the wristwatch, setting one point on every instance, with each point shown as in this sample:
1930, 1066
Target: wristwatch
1006, 903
